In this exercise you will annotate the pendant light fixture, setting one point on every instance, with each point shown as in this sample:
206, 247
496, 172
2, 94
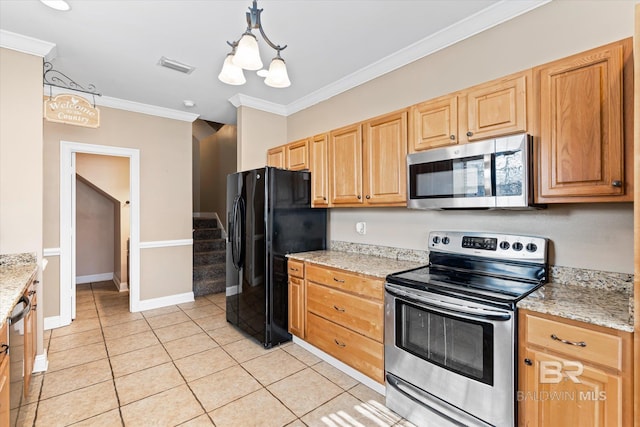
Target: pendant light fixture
246, 55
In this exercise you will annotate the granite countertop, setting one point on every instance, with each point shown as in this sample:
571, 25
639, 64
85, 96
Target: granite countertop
16, 272
597, 306
370, 265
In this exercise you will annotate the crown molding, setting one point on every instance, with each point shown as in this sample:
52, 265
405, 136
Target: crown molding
485, 19
27, 44
242, 100
123, 104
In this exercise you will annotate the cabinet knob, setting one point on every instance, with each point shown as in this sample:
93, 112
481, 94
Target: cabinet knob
452, 137
528, 362
469, 133
616, 183
324, 198
368, 197
359, 197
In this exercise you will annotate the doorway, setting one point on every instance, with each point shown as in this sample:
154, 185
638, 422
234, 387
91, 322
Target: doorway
68, 230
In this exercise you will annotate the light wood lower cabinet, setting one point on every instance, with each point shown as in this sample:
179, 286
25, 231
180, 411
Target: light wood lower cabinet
572, 374
5, 401
343, 315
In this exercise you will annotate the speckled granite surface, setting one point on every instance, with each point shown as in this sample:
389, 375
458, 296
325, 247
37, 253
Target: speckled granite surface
370, 265
16, 271
415, 255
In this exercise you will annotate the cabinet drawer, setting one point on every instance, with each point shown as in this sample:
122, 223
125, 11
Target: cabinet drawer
600, 348
365, 286
361, 353
295, 268
361, 315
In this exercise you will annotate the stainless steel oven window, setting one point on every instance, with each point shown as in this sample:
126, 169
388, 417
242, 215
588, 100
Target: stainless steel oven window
459, 345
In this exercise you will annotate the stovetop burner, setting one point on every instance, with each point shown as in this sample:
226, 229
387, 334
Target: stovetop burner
486, 266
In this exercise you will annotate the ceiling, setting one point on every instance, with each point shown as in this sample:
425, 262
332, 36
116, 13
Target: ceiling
333, 45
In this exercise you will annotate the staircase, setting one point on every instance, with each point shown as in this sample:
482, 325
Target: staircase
209, 256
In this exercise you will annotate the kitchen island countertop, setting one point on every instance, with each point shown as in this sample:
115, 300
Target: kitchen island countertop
16, 272
369, 265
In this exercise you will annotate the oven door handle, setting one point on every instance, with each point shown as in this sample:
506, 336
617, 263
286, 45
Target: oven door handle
446, 307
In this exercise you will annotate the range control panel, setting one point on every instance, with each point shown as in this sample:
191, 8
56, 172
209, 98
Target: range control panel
490, 245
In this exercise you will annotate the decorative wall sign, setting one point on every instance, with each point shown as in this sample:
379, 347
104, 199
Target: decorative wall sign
72, 110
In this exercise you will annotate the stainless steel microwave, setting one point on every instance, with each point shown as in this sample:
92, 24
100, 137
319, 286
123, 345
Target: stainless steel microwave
490, 174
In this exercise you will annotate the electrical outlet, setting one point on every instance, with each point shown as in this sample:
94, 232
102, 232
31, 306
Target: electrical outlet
361, 227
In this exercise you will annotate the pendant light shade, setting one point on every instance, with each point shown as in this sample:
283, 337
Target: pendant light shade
247, 54
278, 76
231, 74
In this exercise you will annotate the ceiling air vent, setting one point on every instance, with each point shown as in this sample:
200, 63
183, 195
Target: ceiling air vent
175, 65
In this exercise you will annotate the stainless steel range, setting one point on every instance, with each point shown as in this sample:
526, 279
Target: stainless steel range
450, 328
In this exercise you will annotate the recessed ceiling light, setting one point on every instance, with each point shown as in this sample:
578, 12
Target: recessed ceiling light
57, 4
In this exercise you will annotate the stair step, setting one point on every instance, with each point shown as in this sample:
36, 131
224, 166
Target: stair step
205, 223
209, 245
207, 233
209, 257
206, 287
209, 272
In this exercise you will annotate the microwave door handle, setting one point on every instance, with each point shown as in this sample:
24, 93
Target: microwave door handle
488, 175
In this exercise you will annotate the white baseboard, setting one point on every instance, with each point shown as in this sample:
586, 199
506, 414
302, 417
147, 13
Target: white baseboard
120, 286
41, 363
150, 304
53, 322
94, 278
341, 366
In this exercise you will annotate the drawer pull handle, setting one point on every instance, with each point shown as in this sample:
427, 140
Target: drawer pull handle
340, 309
338, 280
293, 269
31, 293
339, 344
578, 344
4, 348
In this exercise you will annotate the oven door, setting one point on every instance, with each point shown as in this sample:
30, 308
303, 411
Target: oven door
451, 356
452, 177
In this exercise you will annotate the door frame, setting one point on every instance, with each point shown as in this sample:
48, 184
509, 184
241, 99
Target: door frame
68, 150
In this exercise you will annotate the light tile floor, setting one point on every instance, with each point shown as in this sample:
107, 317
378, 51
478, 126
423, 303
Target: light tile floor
184, 365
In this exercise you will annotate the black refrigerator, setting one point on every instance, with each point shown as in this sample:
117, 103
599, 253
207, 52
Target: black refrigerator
269, 215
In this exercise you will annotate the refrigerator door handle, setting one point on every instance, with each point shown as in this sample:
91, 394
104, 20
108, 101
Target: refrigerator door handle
237, 232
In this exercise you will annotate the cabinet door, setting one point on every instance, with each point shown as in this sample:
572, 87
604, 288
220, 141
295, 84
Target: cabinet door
30, 339
581, 138
549, 401
497, 108
319, 167
297, 154
385, 160
276, 157
345, 165
434, 123
296, 306
5, 400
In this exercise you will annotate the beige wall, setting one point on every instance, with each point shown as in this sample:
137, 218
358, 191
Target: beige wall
256, 131
20, 152
111, 175
94, 231
165, 193
218, 158
593, 236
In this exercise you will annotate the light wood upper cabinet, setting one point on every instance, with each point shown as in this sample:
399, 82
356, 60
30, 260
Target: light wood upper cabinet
319, 167
345, 165
496, 108
297, 155
499, 107
276, 157
384, 159
580, 377
582, 125
434, 123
